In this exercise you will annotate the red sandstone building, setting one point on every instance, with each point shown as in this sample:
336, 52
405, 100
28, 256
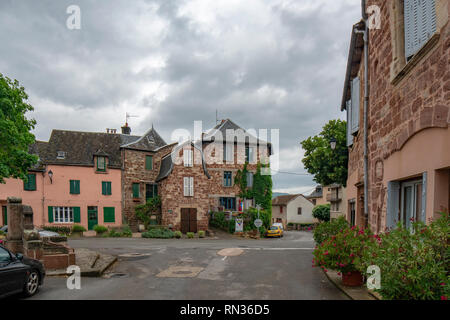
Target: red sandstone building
408, 115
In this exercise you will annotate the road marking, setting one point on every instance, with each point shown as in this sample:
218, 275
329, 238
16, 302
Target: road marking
277, 249
224, 258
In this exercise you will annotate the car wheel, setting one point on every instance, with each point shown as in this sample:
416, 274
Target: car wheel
31, 284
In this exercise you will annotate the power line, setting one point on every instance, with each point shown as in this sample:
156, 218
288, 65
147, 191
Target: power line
293, 173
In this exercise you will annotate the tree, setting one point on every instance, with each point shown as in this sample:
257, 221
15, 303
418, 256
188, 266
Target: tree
327, 165
15, 135
262, 188
322, 212
145, 211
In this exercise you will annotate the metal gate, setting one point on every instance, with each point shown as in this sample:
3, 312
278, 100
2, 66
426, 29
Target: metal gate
188, 220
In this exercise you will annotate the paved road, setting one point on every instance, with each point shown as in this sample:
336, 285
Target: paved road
193, 269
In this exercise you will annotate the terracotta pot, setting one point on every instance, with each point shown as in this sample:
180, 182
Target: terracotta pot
352, 279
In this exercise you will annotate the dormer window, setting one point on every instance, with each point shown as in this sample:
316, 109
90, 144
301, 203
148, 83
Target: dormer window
61, 155
101, 164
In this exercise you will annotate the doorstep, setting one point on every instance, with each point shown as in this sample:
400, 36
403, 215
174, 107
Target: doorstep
354, 293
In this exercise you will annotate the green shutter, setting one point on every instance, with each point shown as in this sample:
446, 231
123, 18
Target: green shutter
30, 185
74, 186
148, 162
135, 190
106, 188
109, 214
77, 186
50, 214
109, 185
5, 216
76, 214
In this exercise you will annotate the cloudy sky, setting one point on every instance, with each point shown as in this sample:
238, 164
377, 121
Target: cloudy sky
262, 63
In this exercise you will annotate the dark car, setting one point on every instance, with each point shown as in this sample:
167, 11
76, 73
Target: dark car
19, 274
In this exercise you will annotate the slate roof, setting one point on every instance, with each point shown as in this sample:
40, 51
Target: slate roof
150, 141
227, 124
316, 193
284, 200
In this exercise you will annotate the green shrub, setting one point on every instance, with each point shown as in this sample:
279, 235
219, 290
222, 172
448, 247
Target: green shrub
178, 234
201, 234
126, 231
159, 233
190, 235
100, 229
78, 228
326, 230
114, 233
263, 231
2, 233
414, 263
290, 224
343, 251
322, 212
58, 229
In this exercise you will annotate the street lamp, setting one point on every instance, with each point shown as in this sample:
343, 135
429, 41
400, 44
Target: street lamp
333, 143
50, 175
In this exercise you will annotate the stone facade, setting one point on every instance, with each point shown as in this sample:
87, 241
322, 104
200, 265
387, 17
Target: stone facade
407, 101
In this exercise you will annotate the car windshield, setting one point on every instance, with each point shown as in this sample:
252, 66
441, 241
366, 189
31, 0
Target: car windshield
4, 255
273, 228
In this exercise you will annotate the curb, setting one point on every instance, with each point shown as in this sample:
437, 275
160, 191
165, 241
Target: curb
354, 293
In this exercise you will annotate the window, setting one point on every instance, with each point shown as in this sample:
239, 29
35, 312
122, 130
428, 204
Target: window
5, 215
281, 209
228, 155
61, 155
4, 256
352, 213
74, 186
227, 178
420, 24
106, 188
188, 157
136, 191
30, 185
249, 179
228, 203
411, 202
63, 215
148, 162
355, 105
151, 191
188, 186
299, 211
109, 214
249, 154
101, 164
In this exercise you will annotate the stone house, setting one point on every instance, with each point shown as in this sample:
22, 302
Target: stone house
198, 178
408, 134
334, 194
293, 208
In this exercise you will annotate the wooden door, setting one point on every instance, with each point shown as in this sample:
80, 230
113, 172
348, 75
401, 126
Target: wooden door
5, 215
188, 220
193, 220
92, 217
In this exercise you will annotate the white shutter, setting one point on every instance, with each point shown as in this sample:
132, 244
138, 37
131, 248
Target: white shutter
187, 157
191, 186
229, 153
186, 186
355, 104
349, 124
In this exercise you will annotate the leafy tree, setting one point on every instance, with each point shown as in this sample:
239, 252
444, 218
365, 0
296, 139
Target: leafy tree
327, 165
322, 212
15, 136
145, 211
262, 188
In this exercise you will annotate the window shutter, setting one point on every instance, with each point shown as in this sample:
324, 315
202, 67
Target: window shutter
135, 190
50, 214
109, 214
32, 178
77, 186
393, 203
420, 24
76, 214
148, 162
349, 124
191, 186
186, 186
187, 157
355, 104
72, 189
103, 187
424, 198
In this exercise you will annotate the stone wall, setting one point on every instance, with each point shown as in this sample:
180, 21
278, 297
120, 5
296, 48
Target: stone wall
404, 100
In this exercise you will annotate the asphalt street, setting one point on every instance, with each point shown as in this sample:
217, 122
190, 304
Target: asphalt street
276, 269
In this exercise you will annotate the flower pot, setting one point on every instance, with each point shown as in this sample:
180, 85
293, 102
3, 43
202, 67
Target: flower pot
352, 279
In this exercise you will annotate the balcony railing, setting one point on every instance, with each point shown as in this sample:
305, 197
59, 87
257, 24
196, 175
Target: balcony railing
333, 197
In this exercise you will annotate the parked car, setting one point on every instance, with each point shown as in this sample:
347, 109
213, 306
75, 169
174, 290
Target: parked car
19, 274
278, 224
42, 233
274, 231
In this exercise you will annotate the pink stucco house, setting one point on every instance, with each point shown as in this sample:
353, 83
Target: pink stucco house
77, 181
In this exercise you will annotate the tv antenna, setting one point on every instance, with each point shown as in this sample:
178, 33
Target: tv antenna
128, 116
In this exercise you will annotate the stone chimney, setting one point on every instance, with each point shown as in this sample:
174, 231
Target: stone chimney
126, 129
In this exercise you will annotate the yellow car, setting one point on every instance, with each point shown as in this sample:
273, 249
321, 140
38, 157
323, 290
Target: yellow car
275, 231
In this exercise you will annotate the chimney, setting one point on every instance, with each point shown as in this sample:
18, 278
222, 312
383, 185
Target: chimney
126, 129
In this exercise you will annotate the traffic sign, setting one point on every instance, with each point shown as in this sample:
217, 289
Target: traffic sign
258, 223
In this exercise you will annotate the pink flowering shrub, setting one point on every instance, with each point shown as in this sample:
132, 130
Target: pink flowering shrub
414, 263
343, 251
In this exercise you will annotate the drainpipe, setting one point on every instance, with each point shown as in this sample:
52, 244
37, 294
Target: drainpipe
365, 32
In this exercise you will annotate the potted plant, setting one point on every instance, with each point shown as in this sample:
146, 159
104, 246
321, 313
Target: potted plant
77, 230
343, 252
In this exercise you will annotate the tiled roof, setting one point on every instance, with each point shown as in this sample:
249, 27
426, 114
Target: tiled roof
284, 200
